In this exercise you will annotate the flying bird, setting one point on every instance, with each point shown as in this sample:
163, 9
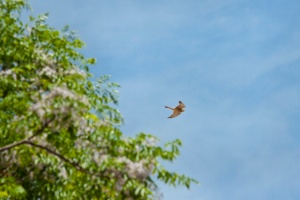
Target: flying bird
178, 110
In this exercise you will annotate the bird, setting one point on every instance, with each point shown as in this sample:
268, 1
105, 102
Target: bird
178, 110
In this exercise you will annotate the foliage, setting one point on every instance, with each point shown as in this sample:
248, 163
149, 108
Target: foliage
60, 132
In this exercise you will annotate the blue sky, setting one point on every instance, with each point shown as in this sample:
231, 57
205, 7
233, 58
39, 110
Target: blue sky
234, 63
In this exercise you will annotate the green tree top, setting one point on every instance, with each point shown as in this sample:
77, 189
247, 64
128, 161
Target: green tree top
59, 131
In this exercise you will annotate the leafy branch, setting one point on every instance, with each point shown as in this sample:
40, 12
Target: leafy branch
39, 131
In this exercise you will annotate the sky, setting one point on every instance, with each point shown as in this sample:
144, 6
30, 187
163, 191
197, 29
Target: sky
235, 64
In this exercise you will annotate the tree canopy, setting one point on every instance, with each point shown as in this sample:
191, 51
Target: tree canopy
60, 132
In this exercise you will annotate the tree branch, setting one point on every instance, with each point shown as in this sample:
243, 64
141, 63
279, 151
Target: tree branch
76, 165
63, 158
7, 147
38, 132
29, 142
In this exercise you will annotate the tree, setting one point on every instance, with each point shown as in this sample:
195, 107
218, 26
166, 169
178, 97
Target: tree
60, 132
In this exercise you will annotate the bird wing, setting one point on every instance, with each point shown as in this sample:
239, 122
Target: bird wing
181, 105
175, 113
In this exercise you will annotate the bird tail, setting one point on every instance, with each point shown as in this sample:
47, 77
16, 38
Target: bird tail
169, 107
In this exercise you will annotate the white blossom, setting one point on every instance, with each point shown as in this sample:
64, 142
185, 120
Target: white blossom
48, 71
140, 169
59, 91
75, 70
45, 104
152, 141
8, 72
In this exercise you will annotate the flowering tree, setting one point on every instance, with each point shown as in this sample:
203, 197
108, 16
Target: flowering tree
59, 131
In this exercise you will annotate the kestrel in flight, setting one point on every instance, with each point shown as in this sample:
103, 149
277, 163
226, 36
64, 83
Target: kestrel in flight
178, 110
